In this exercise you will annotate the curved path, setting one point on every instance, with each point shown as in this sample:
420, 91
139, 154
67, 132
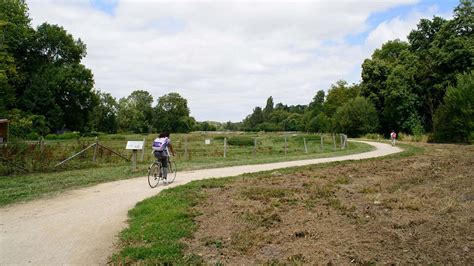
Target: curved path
80, 226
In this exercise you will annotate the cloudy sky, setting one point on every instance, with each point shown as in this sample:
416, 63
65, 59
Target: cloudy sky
226, 57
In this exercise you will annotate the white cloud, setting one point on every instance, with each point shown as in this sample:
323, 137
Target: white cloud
399, 27
224, 57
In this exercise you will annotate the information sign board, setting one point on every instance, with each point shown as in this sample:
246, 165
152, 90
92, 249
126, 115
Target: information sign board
134, 145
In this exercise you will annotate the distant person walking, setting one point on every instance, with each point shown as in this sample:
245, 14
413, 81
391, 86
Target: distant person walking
393, 137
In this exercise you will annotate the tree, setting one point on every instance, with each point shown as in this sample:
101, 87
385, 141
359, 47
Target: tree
339, 94
357, 117
15, 37
251, 121
314, 108
63, 94
401, 103
268, 108
293, 122
104, 114
320, 123
135, 112
172, 114
454, 119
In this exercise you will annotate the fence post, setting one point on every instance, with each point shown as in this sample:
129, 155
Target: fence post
134, 159
96, 148
342, 143
186, 147
143, 151
42, 145
254, 146
334, 140
225, 147
322, 143
305, 147
286, 146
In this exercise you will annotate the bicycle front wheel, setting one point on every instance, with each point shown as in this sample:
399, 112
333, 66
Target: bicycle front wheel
154, 174
173, 170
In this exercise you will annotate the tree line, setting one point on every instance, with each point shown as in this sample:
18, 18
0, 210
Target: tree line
424, 85
45, 88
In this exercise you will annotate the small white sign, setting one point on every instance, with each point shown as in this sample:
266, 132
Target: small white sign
134, 145
207, 141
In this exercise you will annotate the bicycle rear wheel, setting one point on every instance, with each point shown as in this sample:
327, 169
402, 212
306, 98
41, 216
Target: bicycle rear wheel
172, 171
154, 174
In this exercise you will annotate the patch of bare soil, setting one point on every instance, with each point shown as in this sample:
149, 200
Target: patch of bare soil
411, 210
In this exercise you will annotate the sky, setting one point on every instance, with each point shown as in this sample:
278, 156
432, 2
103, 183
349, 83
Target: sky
227, 57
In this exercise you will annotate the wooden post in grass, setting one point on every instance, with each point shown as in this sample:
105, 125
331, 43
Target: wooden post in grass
134, 159
286, 146
305, 147
96, 149
143, 151
186, 147
342, 142
254, 146
334, 140
322, 142
42, 145
225, 147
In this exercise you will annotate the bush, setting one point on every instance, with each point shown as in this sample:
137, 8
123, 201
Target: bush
454, 119
32, 136
241, 141
373, 136
92, 134
356, 117
67, 135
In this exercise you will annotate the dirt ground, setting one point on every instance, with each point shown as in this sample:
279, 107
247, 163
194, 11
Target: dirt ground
418, 209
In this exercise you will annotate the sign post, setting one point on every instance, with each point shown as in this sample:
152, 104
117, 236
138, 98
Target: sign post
134, 146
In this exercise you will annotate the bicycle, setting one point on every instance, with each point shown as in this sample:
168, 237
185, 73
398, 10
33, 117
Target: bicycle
155, 173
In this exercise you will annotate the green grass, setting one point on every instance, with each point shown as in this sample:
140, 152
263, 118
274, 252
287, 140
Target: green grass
38, 157
157, 224
16, 188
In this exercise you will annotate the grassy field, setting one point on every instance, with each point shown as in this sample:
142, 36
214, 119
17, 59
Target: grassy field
24, 187
345, 212
43, 156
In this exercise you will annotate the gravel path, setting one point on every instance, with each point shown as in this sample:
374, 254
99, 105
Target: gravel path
80, 226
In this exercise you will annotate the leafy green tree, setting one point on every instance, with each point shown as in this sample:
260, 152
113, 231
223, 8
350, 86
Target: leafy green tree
357, 117
63, 94
315, 107
15, 37
375, 71
251, 121
294, 122
268, 107
172, 114
104, 114
135, 112
320, 123
339, 94
40, 70
204, 126
401, 104
454, 119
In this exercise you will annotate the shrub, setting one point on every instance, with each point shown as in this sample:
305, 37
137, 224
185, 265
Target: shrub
454, 119
241, 141
67, 135
356, 117
92, 134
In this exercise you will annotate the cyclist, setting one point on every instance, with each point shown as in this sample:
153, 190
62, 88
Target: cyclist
393, 137
161, 149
